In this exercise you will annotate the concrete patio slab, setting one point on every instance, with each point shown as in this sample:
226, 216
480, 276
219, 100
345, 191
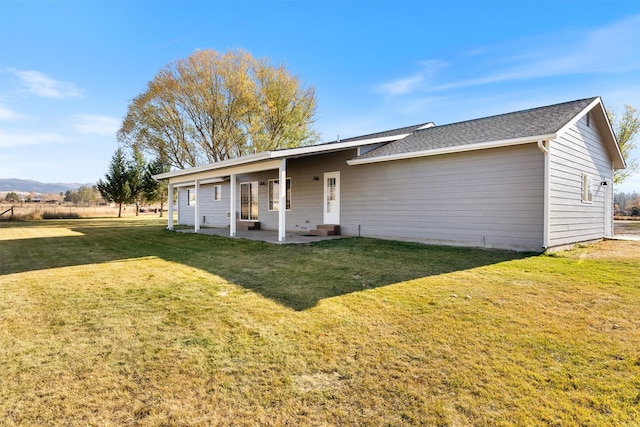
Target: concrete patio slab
269, 236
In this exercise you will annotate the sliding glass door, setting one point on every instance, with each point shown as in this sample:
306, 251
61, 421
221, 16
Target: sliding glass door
249, 201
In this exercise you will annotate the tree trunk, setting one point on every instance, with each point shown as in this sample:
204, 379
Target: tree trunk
119, 210
161, 208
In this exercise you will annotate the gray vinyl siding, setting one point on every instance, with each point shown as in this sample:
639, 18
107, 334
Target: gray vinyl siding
578, 150
484, 197
185, 212
489, 198
306, 193
212, 213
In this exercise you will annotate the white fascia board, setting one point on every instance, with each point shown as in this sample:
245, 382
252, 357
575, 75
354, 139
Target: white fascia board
211, 175
218, 165
192, 182
427, 126
313, 149
449, 150
620, 162
279, 154
183, 184
581, 114
212, 181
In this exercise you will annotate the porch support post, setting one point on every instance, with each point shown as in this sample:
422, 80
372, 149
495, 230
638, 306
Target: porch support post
170, 203
282, 211
232, 206
196, 226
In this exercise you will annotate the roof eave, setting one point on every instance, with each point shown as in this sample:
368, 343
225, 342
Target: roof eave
610, 141
450, 150
335, 146
278, 154
265, 155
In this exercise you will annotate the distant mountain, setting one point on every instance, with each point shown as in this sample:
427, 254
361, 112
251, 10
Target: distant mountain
30, 186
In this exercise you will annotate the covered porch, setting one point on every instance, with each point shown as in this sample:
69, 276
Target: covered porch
259, 188
251, 198
200, 176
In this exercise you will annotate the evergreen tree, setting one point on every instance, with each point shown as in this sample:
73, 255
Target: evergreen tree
115, 188
156, 191
12, 197
135, 175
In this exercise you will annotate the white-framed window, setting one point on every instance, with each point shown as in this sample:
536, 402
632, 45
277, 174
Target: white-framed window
191, 197
587, 192
217, 193
274, 194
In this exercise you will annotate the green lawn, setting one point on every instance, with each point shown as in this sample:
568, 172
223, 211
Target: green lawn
120, 322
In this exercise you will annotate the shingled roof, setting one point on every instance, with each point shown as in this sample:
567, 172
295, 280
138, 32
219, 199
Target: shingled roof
426, 139
520, 124
393, 132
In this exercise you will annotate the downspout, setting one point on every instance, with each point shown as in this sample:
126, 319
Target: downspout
544, 147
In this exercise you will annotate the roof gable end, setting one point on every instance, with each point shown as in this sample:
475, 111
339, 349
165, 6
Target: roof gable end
601, 119
500, 130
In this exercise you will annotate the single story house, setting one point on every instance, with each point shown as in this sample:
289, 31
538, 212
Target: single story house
526, 180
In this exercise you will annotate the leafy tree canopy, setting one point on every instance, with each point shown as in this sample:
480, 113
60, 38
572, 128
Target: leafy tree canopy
215, 106
626, 127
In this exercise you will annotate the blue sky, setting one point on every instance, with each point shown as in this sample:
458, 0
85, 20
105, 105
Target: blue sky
69, 68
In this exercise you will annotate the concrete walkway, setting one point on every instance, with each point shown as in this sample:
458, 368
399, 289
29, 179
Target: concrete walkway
626, 230
627, 237
269, 236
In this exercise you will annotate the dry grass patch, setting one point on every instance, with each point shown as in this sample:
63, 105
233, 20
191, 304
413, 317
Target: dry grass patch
39, 211
123, 323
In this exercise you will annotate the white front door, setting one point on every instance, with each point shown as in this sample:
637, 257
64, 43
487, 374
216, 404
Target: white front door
332, 198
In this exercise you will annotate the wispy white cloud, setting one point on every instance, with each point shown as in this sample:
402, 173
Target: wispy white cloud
10, 115
609, 49
96, 124
42, 85
416, 81
82, 123
402, 85
20, 139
